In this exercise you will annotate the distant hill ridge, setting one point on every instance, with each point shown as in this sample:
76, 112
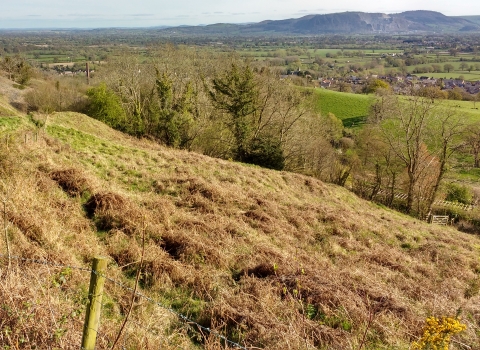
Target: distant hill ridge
346, 23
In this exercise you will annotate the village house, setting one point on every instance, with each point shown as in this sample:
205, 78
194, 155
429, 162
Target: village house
326, 83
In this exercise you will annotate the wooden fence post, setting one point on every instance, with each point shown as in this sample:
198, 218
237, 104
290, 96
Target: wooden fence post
95, 293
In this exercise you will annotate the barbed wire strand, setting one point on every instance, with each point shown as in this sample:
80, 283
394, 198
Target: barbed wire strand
49, 263
149, 329
125, 287
179, 315
43, 262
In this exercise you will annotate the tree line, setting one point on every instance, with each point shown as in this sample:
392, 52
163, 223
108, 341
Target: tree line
219, 105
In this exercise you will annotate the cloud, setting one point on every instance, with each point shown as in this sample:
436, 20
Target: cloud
304, 13
141, 15
82, 15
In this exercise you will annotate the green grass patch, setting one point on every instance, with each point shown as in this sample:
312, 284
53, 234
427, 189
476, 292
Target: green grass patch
105, 158
76, 139
465, 109
352, 109
468, 174
9, 123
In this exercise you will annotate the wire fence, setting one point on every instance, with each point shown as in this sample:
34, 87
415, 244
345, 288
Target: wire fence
154, 330
441, 203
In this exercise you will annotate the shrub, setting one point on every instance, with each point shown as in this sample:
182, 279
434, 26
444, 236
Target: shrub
266, 153
458, 193
72, 181
49, 97
106, 107
17, 68
375, 84
437, 333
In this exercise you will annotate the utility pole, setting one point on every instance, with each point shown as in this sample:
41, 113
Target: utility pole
88, 75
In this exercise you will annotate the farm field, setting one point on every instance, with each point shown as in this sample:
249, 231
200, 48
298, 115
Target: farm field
468, 76
352, 109
466, 109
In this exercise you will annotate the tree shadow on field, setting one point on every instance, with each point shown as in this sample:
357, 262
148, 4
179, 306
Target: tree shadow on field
354, 121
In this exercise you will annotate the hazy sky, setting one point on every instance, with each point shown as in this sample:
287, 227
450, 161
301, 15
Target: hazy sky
146, 13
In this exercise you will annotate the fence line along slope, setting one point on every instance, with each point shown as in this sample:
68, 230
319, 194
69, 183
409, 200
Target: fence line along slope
268, 259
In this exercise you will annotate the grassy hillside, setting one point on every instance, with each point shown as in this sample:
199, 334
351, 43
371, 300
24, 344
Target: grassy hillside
271, 260
350, 108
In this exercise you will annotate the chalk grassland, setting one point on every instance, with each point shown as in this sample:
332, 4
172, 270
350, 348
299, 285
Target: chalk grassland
270, 259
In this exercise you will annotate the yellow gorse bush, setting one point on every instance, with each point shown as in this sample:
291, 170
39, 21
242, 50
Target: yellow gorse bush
438, 333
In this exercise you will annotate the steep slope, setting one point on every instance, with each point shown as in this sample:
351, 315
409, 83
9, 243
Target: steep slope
270, 259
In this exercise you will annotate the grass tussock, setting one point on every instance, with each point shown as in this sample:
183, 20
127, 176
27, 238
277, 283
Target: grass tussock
271, 260
72, 181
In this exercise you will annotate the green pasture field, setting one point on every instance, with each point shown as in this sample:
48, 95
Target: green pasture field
379, 52
472, 76
47, 58
455, 64
352, 109
333, 51
256, 53
323, 52
65, 64
50, 58
465, 109
274, 52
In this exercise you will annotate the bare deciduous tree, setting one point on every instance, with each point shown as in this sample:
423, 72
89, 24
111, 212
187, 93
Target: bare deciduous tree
422, 133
